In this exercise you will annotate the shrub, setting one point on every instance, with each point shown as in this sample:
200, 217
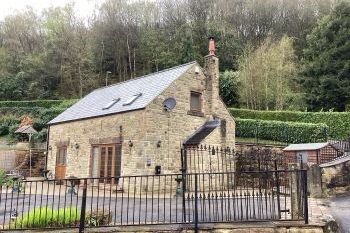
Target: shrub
338, 122
290, 132
98, 218
4, 130
4, 179
7, 123
47, 217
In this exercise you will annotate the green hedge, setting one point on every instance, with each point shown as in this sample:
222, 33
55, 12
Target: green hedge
338, 122
38, 103
288, 132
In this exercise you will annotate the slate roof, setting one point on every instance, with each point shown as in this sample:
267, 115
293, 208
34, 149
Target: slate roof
150, 86
306, 146
202, 132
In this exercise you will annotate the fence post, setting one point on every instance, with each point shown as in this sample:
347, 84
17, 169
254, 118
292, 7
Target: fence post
306, 207
83, 208
196, 203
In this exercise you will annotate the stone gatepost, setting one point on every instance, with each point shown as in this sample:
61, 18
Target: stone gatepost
295, 184
314, 181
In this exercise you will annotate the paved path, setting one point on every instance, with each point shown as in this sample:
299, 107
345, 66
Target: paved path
340, 209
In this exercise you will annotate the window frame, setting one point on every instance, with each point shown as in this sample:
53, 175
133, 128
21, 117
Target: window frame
200, 109
61, 159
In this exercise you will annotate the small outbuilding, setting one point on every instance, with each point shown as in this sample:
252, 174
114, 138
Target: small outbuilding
317, 153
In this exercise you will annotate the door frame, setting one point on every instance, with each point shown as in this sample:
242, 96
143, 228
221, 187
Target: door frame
61, 167
115, 154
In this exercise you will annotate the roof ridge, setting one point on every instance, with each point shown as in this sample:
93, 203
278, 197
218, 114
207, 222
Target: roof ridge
144, 76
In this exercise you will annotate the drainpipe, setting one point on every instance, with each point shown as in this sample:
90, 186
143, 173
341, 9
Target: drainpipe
47, 146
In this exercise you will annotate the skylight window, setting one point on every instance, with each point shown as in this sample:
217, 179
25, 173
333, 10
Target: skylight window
110, 104
132, 99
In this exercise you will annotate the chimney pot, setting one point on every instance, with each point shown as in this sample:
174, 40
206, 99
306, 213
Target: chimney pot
211, 46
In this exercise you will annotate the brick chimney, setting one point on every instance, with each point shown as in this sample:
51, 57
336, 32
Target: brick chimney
212, 79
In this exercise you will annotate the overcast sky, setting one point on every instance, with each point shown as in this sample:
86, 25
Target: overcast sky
82, 7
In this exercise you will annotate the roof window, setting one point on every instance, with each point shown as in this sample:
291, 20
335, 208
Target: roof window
110, 104
132, 99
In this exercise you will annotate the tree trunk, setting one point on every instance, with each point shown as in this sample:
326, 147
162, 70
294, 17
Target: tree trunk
129, 55
80, 81
134, 64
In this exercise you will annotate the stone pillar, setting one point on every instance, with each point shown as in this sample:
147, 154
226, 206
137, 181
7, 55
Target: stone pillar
295, 185
314, 181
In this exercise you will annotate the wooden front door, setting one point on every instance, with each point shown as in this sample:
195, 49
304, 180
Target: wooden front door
61, 163
106, 161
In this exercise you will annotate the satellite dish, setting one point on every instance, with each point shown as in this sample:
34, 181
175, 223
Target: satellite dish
169, 104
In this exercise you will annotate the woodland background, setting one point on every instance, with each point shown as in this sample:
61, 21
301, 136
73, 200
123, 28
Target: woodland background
274, 54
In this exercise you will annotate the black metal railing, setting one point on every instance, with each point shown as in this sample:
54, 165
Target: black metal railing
191, 199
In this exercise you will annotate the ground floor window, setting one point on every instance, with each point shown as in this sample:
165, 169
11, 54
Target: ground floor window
105, 161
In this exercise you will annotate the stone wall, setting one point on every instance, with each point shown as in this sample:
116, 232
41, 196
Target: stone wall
336, 176
156, 135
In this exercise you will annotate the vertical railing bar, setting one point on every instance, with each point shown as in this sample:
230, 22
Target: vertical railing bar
306, 208
140, 200
19, 189
110, 197
170, 193
278, 190
3, 223
122, 204
117, 179
83, 208
146, 199
134, 202
53, 197
158, 201
196, 203
127, 204
24, 197
47, 199
183, 171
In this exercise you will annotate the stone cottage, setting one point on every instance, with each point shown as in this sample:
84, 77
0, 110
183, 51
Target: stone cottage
139, 126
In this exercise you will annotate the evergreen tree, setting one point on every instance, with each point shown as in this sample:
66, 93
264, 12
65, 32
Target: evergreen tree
187, 50
326, 70
229, 84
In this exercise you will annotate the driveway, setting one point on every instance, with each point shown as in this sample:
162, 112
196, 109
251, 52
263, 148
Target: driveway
340, 209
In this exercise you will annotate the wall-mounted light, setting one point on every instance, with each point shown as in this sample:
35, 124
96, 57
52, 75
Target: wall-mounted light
159, 143
131, 144
76, 146
50, 147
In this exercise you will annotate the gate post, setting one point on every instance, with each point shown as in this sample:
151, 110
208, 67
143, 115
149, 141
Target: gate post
296, 187
83, 208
